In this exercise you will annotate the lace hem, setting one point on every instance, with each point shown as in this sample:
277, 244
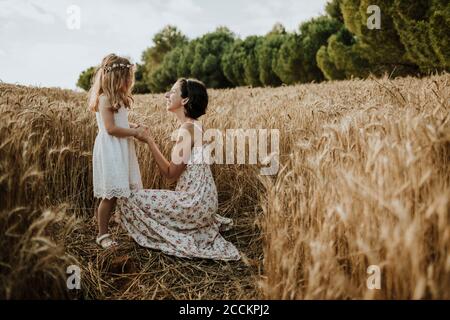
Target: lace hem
116, 192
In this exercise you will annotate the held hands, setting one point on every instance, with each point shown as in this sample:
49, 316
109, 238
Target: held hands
140, 131
137, 125
143, 134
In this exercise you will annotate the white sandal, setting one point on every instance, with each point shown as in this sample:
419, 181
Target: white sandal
105, 241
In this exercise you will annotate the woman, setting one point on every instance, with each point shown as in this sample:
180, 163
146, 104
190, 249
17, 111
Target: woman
183, 222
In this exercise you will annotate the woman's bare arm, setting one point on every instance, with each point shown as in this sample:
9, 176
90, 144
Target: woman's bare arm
173, 169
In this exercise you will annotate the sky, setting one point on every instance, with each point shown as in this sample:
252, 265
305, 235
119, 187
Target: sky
48, 43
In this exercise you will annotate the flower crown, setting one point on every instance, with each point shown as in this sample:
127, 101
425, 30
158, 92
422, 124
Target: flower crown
117, 65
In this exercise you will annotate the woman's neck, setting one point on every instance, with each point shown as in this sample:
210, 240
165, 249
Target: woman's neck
182, 117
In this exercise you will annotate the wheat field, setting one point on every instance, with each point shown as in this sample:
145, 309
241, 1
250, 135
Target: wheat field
364, 180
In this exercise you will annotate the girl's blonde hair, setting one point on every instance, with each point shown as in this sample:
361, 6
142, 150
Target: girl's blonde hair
115, 79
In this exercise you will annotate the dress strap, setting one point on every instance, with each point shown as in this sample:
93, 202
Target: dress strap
197, 125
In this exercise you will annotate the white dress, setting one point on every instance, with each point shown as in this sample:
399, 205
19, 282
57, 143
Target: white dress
183, 222
116, 169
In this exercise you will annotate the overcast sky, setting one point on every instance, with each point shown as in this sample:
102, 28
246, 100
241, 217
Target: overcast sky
41, 44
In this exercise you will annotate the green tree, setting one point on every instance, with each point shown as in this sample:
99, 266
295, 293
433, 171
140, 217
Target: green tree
267, 53
201, 59
207, 57
413, 37
382, 48
340, 59
297, 56
233, 63
315, 33
186, 59
163, 42
277, 29
290, 64
240, 62
140, 87
85, 79
423, 27
327, 65
167, 73
439, 33
251, 64
333, 9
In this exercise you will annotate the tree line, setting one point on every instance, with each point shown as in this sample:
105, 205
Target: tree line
413, 39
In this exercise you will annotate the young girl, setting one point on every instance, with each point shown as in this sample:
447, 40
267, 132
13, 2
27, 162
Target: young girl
116, 170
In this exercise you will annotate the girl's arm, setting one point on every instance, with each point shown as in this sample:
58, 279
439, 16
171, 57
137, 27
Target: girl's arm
108, 117
137, 125
172, 170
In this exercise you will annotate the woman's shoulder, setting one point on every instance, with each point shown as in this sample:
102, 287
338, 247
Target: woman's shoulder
194, 129
191, 131
192, 126
187, 126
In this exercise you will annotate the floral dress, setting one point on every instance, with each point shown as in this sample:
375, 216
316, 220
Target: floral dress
183, 222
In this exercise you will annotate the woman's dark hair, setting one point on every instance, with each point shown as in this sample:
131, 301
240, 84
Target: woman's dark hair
195, 90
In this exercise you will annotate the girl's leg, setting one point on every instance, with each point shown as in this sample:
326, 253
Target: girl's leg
105, 210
